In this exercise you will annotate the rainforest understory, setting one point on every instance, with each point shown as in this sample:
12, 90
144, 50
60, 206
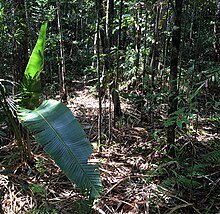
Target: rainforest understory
137, 174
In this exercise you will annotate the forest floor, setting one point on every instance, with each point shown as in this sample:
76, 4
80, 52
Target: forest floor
137, 176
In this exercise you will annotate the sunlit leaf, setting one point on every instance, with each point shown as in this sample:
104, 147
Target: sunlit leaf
31, 85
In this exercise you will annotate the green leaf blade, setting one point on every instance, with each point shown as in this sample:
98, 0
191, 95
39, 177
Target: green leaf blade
35, 63
31, 85
55, 127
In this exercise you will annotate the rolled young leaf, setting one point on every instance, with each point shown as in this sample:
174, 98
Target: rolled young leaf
31, 86
62, 137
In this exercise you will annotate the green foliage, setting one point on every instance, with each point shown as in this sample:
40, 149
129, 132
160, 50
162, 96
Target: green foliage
179, 174
193, 95
41, 10
46, 210
40, 166
213, 156
14, 157
179, 117
188, 174
131, 97
188, 106
7, 106
197, 169
128, 65
39, 189
2, 111
31, 85
2, 134
51, 88
35, 64
64, 140
182, 181
82, 206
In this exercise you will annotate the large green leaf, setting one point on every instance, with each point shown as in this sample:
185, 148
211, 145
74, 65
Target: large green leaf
55, 127
31, 86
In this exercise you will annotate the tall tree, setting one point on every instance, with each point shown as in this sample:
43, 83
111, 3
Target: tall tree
62, 67
173, 87
97, 44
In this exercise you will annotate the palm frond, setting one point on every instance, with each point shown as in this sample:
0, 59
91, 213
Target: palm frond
180, 180
55, 127
213, 156
197, 169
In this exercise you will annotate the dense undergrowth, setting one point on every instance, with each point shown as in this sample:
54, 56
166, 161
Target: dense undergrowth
137, 174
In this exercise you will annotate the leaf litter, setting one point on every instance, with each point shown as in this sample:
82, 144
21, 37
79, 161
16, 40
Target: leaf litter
129, 158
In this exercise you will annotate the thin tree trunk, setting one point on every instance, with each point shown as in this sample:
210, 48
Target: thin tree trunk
109, 22
109, 26
166, 39
154, 50
28, 28
145, 45
109, 39
217, 32
138, 41
98, 70
114, 86
81, 21
120, 24
173, 88
62, 59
